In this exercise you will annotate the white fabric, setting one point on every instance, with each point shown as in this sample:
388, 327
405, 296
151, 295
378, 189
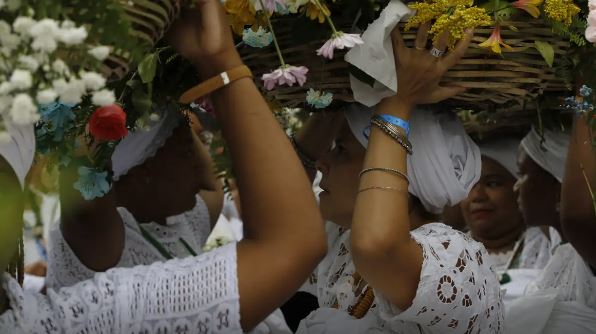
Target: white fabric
534, 254
33, 283
134, 149
375, 56
19, 150
520, 278
503, 151
451, 259
561, 300
549, 151
446, 162
192, 295
65, 268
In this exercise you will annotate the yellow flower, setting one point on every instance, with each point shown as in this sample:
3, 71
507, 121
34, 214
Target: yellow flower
241, 14
495, 41
561, 10
458, 22
530, 6
316, 10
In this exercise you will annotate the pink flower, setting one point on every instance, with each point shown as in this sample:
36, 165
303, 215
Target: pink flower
591, 29
339, 41
285, 75
271, 5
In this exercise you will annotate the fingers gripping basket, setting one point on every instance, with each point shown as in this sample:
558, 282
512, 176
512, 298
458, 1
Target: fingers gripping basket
521, 74
149, 19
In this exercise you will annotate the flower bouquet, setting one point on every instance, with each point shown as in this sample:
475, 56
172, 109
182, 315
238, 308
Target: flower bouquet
517, 52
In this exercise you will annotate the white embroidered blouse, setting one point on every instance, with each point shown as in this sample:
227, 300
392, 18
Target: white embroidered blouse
192, 295
457, 293
184, 235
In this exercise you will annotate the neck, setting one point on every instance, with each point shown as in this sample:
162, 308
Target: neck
145, 210
501, 243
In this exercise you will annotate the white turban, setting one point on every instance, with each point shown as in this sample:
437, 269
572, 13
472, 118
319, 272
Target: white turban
19, 150
549, 151
503, 151
446, 162
141, 145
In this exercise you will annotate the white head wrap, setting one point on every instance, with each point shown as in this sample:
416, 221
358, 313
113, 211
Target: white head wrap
141, 145
503, 151
19, 150
549, 151
446, 162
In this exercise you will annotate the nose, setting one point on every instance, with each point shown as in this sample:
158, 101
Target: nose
478, 193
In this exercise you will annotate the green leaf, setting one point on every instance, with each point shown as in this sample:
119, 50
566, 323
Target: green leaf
148, 67
513, 28
141, 101
546, 50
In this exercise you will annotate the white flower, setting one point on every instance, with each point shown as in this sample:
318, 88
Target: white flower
44, 33
5, 88
100, 52
8, 40
72, 36
67, 24
154, 117
13, 5
72, 92
21, 79
5, 103
340, 41
23, 24
23, 110
59, 85
45, 28
60, 67
2, 4
46, 96
103, 97
29, 62
93, 80
4, 28
4, 136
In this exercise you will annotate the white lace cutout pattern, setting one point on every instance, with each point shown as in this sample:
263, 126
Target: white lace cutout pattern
65, 269
192, 295
457, 293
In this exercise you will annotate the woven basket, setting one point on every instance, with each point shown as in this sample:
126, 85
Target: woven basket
520, 75
150, 19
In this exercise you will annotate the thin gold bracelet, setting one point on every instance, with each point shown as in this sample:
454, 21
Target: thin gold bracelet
386, 170
382, 188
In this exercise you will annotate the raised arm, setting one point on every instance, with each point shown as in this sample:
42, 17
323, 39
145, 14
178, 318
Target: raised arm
384, 253
578, 208
284, 234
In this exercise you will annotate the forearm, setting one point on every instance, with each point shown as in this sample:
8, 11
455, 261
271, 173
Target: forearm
383, 250
577, 202
93, 229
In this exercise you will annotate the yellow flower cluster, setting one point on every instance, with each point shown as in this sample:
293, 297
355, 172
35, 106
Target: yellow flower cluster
561, 10
452, 16
317, 11
241, 13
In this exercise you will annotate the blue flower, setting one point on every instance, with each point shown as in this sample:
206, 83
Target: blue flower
257, 39
585, 91
57, 119
91, 183
318, 99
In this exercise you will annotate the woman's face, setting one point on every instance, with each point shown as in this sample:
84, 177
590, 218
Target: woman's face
11, 212
341, 167
173, 173
538, 192
491, 210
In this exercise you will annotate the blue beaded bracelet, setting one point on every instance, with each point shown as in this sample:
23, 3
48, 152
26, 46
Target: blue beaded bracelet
397, 122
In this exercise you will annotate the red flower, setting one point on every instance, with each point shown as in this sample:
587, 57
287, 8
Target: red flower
108, 123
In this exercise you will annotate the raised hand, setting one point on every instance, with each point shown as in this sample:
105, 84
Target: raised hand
203, 36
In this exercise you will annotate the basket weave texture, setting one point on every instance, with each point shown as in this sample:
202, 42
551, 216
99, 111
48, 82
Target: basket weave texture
520, 74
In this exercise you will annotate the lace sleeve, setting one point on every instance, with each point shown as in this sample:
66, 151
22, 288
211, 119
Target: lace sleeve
200, 221
191, 295
457, 293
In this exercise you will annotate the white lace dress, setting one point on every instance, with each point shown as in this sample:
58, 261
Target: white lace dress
457, 293
561, 299
191, 295
184, 235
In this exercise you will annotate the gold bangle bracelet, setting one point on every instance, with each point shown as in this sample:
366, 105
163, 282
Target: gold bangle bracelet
382, 188
386, 170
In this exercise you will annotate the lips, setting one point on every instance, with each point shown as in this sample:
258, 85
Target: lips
480, 214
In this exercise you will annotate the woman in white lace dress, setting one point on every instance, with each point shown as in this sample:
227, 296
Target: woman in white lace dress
391, 267
563, 296
492, 214
228, 290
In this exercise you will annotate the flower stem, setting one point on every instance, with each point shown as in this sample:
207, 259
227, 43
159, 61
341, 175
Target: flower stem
277, 49
327, 17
